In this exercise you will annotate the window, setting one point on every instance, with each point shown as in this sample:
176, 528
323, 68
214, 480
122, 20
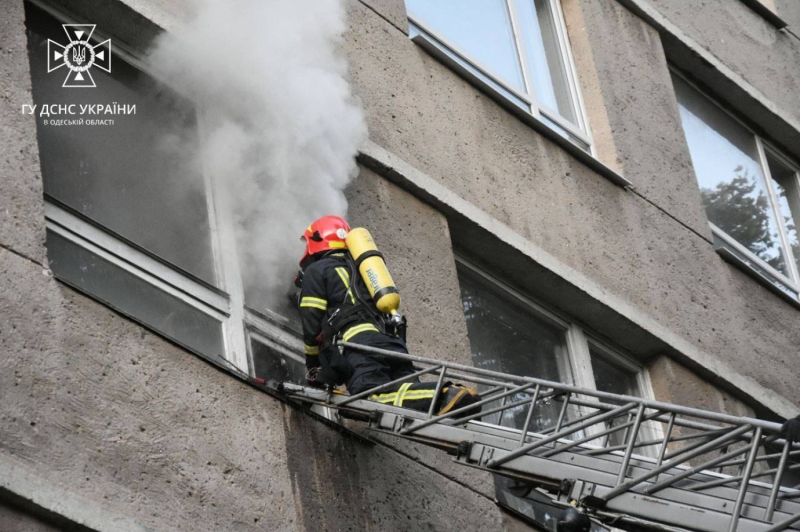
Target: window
509, 333
512, 334
751, 193
133, 223
517, 49
615, 374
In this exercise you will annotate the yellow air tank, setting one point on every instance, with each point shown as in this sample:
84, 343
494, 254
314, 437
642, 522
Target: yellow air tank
373, 270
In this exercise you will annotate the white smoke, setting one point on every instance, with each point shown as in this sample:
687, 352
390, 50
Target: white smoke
279, 125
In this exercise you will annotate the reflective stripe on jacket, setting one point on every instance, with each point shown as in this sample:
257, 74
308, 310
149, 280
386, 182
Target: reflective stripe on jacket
327, 286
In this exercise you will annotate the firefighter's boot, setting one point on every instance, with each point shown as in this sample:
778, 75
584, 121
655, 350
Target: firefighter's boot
456, 396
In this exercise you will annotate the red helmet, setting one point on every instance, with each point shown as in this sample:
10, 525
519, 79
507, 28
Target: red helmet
325, 234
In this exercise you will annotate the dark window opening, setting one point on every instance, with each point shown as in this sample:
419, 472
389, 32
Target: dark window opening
136, 178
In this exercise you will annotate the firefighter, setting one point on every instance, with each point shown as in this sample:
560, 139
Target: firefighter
336, 305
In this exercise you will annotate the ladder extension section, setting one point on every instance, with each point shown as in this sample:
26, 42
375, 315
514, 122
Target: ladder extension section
623, 460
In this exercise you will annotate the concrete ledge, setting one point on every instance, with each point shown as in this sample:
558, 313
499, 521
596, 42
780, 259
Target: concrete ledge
20, 488
736, 92
561, 285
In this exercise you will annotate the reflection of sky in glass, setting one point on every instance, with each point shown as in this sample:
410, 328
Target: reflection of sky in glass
508, 337
725, 160
481, 28
544, 56
784, 180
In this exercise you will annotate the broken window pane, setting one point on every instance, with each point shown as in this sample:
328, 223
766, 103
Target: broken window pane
133, 177
274, 364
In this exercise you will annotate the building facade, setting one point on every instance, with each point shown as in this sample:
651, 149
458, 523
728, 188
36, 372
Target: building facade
600, 192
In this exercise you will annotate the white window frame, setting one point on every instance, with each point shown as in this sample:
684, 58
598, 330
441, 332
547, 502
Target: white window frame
434, 41
577, 369
224, 303
733, 251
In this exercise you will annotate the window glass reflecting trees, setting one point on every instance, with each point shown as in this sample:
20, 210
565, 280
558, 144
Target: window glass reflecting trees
749, 190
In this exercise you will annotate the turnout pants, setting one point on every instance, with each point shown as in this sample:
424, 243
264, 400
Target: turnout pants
370, 370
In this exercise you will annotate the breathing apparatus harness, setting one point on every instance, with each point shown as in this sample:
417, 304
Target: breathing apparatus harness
360, 312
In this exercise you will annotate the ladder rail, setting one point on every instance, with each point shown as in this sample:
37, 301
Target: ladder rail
773, 497
679, 472
649, 443
656, 405
397, 418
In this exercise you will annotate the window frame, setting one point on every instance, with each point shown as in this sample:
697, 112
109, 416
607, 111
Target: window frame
224, 302
776, 281
767, 13
579, 339
429, 38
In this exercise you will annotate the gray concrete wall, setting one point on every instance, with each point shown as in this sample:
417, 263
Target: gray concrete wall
650, 247
117, 415
415, 240
99, 405
789, 11
21, 208
114, 415
393, 11
673, 383
746, 43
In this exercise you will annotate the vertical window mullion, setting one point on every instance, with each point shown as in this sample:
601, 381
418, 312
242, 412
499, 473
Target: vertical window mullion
576, 99
227, 262
773, 201
545, 87
212, 220
583, 376
231, 273
516, 27
580, 359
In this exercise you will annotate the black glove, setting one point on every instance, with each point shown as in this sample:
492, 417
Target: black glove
313, 377
791, 430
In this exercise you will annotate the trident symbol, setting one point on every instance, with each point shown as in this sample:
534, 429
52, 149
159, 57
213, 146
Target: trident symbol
78, 57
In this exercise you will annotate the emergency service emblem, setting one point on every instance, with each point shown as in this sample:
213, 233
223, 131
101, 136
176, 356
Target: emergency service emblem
78, 55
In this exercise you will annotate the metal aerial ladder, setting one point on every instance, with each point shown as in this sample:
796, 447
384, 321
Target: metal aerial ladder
625, 461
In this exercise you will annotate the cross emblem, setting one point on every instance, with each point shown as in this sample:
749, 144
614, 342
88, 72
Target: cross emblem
78, 55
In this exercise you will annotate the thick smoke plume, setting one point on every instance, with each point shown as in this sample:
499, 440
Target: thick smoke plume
279, 125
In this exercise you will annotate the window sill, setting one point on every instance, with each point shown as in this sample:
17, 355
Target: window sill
447, 58
738, 259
